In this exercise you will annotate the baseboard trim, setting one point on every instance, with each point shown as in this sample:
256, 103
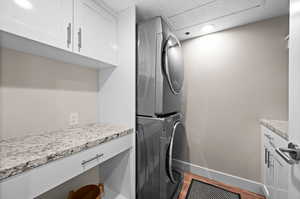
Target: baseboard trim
225, 178
266, 192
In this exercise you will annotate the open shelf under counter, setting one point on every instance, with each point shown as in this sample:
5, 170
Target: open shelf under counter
110, 194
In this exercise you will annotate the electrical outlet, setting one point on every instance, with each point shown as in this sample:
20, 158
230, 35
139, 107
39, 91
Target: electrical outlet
74, 118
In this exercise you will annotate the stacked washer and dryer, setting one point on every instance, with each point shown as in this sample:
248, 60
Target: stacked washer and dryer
159, 121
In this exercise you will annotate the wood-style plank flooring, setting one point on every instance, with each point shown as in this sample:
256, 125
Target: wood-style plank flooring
188, 179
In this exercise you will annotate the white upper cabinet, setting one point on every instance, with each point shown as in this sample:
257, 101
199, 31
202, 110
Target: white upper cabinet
85, 27
95, 31
45, 21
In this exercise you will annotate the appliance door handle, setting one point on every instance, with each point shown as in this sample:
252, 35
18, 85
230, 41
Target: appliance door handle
170, 155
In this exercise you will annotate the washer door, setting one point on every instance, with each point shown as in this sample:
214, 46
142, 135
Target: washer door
173, 64
171, 172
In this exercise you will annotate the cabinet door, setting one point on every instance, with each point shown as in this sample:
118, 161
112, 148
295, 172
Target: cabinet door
270, 174
280, 177
44, 21
264, 163
270, 169
95, 31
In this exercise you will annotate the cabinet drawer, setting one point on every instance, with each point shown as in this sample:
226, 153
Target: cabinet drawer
92, 157
41, 179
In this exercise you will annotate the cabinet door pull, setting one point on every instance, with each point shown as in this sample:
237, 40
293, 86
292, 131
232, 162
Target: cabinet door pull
79, 39
269, 137
266, 156
268, 159
84, 162
69, 35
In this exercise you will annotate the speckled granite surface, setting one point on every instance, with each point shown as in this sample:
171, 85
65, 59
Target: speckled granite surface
279, 127
23, 153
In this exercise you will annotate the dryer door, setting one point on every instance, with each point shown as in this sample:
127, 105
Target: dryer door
173, 64
173, 174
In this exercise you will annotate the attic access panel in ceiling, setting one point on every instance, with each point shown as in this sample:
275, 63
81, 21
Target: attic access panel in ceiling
211, 11
150, 8
192, 15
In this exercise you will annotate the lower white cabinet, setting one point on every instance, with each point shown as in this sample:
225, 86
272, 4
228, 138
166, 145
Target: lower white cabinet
280, 177
274, 168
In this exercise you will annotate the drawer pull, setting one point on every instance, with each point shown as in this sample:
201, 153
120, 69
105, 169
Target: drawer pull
266, 156
272, 144
268, 159
84, 162
269, 137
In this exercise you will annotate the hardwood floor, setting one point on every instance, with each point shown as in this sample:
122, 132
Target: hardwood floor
188, 179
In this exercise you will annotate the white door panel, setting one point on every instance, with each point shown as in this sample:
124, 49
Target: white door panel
40, 20
95, 31
294, 94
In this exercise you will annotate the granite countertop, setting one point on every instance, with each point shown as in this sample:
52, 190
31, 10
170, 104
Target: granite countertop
23, 153
277, 126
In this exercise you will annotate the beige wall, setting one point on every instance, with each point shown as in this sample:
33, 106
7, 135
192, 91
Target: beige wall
232, 79
38, 94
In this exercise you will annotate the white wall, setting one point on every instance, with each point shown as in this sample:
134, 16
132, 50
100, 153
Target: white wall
117, 86
38, 94
234, 78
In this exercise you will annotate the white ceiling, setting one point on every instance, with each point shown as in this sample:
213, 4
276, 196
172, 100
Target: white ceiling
191, 15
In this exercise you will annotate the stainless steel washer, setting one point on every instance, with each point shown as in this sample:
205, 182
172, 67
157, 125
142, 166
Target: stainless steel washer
156, 177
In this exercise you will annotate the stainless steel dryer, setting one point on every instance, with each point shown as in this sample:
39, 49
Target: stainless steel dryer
156, 178
159, 69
